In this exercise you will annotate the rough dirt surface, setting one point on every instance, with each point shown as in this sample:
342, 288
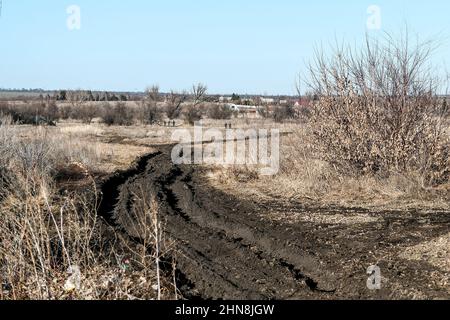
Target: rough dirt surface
229, 249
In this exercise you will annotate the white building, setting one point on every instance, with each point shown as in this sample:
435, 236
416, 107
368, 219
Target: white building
225, 99
267, 100
238, 107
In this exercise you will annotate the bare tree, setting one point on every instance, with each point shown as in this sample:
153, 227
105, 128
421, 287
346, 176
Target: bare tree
174, 103
151, 114
193, 112
152, 94
77, 98
199, 93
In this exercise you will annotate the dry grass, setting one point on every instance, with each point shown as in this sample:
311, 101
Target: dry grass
45, 233
304, 176
377, 134
54, 246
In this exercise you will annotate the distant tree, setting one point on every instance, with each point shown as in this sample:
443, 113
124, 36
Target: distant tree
235, 97
88, 113
62, 96
51, 111
174, 103
150, 111
77, 98
199, 93
65, 112
219, 112
192, 115
283, 113
152, 94
264, 112
118, 115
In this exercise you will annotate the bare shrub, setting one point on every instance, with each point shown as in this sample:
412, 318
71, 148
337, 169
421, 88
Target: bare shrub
264, 112
54, 246
32, 112
220, 112
51, 111
65, 112
174, 104
119, 114
192, 114
144, 221
150, 113
85, 112
303, 114
283, 113
378, 109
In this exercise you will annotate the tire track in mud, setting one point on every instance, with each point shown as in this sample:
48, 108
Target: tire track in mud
221, 254
227, 251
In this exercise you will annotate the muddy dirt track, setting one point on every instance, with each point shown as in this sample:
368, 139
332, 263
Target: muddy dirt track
228, 249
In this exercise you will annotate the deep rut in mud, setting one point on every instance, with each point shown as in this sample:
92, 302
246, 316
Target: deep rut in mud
227, 250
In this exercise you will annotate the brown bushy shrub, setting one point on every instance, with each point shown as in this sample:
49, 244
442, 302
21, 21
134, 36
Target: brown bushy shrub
379, 110
220, 112
118, 114
283, 113
192, 114
32, 112
173, 104
150, 113
85, 112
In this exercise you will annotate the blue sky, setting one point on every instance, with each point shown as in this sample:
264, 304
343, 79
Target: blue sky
245, 46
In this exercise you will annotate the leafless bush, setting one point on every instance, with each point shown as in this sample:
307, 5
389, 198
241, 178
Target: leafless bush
264, 112
51, 111
143, 221
173, 106
378, 109
151, 113
66, 112
119, 114
283, 113
304, 113
32, 112
192, 114
220, 112
54, 246
85, 112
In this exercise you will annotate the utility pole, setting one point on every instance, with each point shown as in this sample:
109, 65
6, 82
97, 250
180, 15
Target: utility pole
1, 6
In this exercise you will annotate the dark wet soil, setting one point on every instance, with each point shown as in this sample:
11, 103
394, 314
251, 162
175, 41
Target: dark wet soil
228, 249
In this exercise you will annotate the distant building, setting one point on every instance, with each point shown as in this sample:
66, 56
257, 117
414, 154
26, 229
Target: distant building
242, 108
267, 100
225, 99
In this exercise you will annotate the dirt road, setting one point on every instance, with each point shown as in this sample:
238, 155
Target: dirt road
228, 248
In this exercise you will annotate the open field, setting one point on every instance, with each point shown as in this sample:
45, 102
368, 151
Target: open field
309, 232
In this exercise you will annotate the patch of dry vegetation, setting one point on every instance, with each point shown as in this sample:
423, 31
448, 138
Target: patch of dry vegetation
377, 134
53, 245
